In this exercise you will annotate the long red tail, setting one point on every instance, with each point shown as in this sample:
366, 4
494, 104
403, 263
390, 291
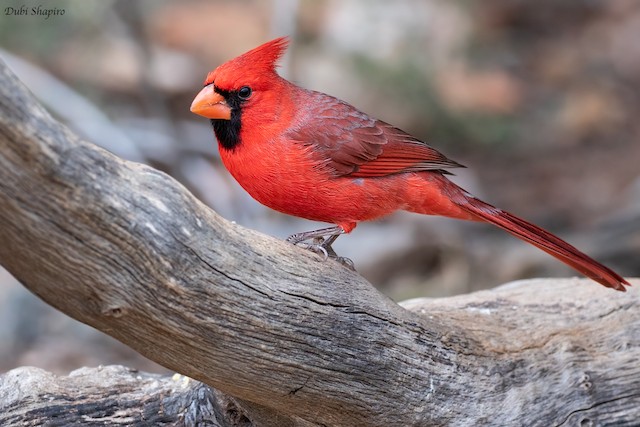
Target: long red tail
539, 237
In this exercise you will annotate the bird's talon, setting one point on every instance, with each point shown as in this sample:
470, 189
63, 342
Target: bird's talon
346, 262
328, 253
325, 254
295, 239
315, 248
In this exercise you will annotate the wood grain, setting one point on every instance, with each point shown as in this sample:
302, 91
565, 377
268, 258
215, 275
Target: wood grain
126, 249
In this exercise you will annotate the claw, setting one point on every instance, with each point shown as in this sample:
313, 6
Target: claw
316, 248
346, 262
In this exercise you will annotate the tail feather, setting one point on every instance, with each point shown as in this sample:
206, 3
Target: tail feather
544, 240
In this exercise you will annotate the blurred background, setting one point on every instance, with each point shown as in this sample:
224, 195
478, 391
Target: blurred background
539, 99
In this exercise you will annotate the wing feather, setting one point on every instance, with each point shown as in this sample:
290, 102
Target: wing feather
351, 143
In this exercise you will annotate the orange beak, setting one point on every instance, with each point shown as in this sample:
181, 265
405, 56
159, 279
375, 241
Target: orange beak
211, 105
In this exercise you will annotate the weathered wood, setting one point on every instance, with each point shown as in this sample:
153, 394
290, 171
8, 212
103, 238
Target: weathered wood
115, 395
106, 396
127, 250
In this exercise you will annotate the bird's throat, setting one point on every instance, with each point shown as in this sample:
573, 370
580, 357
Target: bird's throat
228, 131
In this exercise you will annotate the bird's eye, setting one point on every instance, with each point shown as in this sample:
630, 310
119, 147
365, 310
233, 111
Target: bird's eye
244, 92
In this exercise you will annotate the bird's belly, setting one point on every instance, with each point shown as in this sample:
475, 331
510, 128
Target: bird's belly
309, 193
337, 200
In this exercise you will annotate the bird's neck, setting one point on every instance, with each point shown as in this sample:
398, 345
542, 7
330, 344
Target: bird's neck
228, 131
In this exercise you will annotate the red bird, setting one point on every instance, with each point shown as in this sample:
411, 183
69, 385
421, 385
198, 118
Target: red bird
314, 156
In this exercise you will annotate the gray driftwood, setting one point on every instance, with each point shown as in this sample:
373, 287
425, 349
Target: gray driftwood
127, 250
112, 395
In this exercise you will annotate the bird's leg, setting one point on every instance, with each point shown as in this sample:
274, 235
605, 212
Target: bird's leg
322, 240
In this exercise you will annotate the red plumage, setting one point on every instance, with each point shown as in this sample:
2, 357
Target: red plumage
314, 156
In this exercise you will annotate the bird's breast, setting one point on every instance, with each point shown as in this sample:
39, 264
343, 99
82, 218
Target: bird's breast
285, 176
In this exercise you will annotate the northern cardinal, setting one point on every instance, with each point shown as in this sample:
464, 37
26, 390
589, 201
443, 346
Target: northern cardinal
308, 154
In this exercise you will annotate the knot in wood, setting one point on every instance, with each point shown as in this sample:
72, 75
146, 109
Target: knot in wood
115, 311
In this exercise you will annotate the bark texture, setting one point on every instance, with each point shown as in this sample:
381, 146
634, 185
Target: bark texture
126, 249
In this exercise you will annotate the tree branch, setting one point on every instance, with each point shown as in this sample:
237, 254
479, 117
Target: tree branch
126, 249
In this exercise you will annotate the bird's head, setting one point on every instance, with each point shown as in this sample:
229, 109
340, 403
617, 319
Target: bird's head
239, 82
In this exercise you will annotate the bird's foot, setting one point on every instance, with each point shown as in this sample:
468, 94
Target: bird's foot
316, 248
346, 262
321, 241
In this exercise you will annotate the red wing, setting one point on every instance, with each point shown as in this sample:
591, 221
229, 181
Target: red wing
403, 153
352, 143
